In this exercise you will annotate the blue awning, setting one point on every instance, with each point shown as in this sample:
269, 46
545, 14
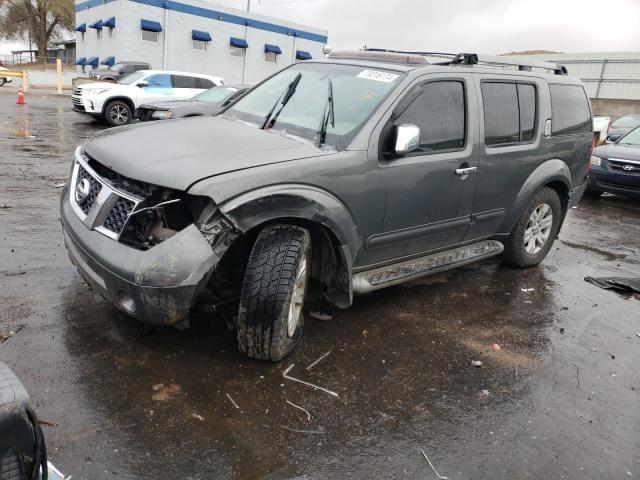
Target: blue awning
81, 61
93, 61
108, 61
272, 49
110, 22
81, 28
150, 26
302, 55
97, 25
199, 35
238, 42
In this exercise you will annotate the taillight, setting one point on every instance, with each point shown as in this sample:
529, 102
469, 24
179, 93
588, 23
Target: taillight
589, 157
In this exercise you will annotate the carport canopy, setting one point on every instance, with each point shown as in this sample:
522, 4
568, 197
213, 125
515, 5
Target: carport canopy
97, 25
110, 22
81, 28
81, 61
93, 61
108, 61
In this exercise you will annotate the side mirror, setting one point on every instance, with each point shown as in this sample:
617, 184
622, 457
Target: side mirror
142, 84
407, 138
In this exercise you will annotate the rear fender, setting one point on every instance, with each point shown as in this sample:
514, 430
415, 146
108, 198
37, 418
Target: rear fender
553, 172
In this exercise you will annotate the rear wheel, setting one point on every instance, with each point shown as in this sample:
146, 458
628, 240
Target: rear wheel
270, 318
534, 234
118, 113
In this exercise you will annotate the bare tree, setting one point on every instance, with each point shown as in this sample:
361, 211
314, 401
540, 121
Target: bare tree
38, 20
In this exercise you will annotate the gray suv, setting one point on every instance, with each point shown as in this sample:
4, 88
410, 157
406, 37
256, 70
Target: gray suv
118, 70
342, 176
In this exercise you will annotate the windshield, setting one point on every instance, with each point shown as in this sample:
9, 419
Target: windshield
131, 78
116, 67
626, 122
631, 138
357, 92
215, 94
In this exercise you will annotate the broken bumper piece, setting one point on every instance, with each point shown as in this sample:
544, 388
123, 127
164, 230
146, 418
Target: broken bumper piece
157, 286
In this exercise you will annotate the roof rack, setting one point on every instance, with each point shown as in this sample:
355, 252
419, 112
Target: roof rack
488, 60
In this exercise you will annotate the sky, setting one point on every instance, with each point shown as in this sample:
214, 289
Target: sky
484, 26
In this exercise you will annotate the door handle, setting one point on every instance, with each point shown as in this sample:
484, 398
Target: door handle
466, 171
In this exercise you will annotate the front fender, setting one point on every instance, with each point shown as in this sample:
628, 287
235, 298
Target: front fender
551, 171
305, 202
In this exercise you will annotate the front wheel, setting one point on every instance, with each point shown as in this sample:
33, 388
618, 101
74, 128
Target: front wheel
270, 318
117, 113
534, 234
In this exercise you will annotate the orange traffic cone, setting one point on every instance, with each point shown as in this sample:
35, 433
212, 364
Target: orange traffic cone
20, 100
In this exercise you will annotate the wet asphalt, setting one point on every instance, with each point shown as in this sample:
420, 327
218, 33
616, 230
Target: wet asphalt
559, 399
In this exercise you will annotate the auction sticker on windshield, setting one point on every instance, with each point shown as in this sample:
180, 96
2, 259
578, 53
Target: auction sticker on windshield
377, 75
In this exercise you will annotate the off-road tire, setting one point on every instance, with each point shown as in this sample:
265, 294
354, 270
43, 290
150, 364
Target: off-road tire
113, 105
588, 193
514, 247
267, 290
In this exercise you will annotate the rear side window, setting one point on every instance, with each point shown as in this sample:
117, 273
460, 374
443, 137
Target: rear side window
182, 81
569, 110
159, 80
440, 112
204, 83
510, 112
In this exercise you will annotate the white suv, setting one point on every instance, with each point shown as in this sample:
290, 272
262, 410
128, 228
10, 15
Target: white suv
116, 103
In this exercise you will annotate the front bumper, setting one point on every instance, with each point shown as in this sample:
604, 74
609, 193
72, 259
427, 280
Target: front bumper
604, 180
83, 103
157, 286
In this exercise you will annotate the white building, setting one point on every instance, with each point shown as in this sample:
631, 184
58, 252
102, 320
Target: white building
611, 79
191, 35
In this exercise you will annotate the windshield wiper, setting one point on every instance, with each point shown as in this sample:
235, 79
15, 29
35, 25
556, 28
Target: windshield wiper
327, 116
285, 97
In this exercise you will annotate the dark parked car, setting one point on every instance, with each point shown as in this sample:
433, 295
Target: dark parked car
615, 167
208, 102
119, 70
622, 126
358, 171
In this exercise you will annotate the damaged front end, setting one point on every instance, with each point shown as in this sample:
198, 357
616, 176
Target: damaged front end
149, 250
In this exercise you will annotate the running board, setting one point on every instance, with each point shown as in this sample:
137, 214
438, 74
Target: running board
428, 265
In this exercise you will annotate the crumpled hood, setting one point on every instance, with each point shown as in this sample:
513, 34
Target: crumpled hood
179, 153
622, 152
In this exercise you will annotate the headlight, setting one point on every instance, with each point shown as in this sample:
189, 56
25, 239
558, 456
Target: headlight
162, 114
595, 160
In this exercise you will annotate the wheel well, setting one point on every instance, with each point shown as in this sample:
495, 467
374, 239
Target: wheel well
327, 266
563, 192
126, 100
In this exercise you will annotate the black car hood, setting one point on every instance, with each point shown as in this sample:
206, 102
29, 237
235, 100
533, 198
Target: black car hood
618, 132
622, 152
179, 153
181, 108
